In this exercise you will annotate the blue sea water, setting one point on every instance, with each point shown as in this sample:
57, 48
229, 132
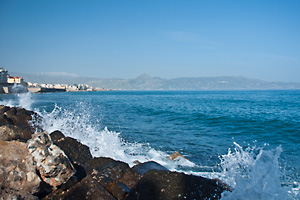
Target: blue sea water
248, 139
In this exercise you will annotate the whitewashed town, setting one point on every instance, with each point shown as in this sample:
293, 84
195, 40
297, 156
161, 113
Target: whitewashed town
8, 84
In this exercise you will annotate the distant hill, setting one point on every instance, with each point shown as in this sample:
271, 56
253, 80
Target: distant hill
146, 82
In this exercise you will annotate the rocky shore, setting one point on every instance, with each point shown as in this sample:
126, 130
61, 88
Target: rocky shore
37, 165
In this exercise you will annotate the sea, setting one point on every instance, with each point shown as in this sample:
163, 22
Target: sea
249, 140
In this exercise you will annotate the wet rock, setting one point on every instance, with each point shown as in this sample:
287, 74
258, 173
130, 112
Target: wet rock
3, 109
10, 194
17, 123
9, 132
113, 170
17, 169
54, 166
115, 176
120, 190
130, 177
159, 184
175, 155
56, 136
88, 188
77, 152
146, 166
107, 166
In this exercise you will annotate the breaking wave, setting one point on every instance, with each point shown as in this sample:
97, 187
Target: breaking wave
252, 172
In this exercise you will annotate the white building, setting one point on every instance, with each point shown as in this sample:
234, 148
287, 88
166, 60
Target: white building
15, 80
3, 75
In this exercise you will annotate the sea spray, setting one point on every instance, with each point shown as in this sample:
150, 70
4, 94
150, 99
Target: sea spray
254, 173
25, 100
21, 100
247, 178
77, 122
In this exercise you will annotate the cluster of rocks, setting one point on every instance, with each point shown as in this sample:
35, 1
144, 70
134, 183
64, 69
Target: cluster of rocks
38, 165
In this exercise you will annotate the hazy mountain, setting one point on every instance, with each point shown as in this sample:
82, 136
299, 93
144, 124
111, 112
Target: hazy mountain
146, 82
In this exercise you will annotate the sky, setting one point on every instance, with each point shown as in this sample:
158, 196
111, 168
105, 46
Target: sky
163, 38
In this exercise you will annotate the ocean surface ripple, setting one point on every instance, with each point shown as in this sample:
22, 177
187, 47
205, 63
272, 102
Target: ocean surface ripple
248, 139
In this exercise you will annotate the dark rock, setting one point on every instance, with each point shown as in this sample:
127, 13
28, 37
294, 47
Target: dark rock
77, 152
57, 135
10, 194
18, 123
3, 109
10, 132
98, 163
145, 167
130, 177
113, 170
120, 190
165, 185
115, 176
88, 188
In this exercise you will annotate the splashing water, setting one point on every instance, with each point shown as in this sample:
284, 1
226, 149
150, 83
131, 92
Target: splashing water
77, 122
25, 100
22, 100
254, 173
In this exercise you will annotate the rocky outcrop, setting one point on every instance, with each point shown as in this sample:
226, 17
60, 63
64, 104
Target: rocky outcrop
161, 184
54, 166
17, 168
16, 123
88, 188
38, 165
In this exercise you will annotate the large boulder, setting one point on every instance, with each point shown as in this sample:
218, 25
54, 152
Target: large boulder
115, 176
165, 185
77, 152
54, 166
88, 188
17, 123
17, 168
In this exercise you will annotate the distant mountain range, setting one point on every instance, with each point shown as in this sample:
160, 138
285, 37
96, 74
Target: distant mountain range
146, 82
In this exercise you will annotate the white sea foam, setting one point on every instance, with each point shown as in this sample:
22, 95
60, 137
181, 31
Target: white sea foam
77, 122
22, 100
25, 100
254, 173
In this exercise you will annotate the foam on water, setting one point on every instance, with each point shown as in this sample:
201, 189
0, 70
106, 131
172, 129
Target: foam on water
252, 173
77, 122
22, 100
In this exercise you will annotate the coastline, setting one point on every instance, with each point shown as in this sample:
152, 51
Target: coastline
64, 168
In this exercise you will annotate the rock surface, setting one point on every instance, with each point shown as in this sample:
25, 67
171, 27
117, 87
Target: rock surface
16, 123
10, 194
42, 166
17, 169
142, 168
159, 184
54, 166
78, 153
88, 188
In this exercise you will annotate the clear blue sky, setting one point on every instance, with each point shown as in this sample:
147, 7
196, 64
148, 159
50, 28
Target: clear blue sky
187, 38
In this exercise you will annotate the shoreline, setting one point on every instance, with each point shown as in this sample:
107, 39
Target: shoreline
60, 167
